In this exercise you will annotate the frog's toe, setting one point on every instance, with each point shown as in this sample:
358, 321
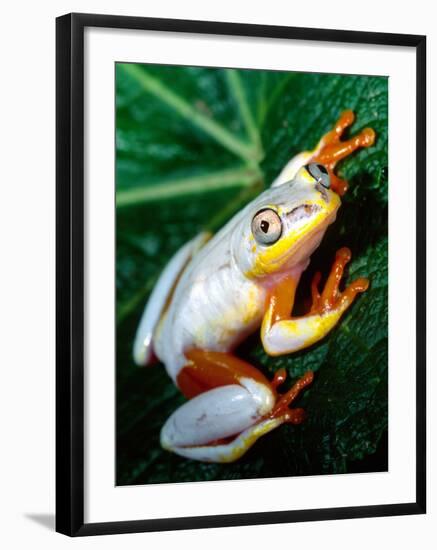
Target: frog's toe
332, 298
282, 408
331, 149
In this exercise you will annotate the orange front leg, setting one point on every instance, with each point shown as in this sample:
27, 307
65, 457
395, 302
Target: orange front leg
281, 333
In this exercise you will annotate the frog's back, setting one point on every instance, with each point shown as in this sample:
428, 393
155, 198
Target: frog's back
214, 306
161, 294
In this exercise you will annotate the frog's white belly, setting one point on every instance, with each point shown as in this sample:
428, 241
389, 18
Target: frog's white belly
214, 307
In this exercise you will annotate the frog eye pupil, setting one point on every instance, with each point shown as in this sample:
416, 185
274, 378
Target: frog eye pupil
322, 169
265, 226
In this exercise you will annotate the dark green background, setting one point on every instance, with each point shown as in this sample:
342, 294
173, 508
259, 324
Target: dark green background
194, 145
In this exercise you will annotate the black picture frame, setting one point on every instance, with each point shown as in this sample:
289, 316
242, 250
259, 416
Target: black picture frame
70, 273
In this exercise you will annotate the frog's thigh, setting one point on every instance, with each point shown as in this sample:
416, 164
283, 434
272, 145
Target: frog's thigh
216, 414
229, 398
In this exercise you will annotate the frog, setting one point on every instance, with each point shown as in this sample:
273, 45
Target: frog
217, 290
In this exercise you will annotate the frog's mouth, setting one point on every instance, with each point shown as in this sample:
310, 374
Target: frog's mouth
311, 221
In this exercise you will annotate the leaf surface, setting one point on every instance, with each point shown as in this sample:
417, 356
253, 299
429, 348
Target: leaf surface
193, 146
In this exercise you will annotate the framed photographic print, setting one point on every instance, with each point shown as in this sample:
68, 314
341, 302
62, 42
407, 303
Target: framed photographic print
240, 274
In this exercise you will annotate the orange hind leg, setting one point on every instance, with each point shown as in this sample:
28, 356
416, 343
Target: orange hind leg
210, 369
231, 405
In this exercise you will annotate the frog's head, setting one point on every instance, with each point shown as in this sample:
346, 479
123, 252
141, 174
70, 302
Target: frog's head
282, 227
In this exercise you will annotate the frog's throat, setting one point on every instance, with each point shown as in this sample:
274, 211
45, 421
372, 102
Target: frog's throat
294, 248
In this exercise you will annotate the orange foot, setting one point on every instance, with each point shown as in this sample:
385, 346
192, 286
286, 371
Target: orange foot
331, 149
281, 409
331, 297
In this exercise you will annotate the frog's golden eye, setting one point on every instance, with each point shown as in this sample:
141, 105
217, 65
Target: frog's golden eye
320, 174
266, 226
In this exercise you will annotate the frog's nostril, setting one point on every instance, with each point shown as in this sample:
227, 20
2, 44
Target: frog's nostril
302, 211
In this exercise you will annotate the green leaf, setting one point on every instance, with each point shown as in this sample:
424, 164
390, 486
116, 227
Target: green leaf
193, 146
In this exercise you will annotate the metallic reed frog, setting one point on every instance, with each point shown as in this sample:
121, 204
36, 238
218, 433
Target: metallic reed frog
217, 290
